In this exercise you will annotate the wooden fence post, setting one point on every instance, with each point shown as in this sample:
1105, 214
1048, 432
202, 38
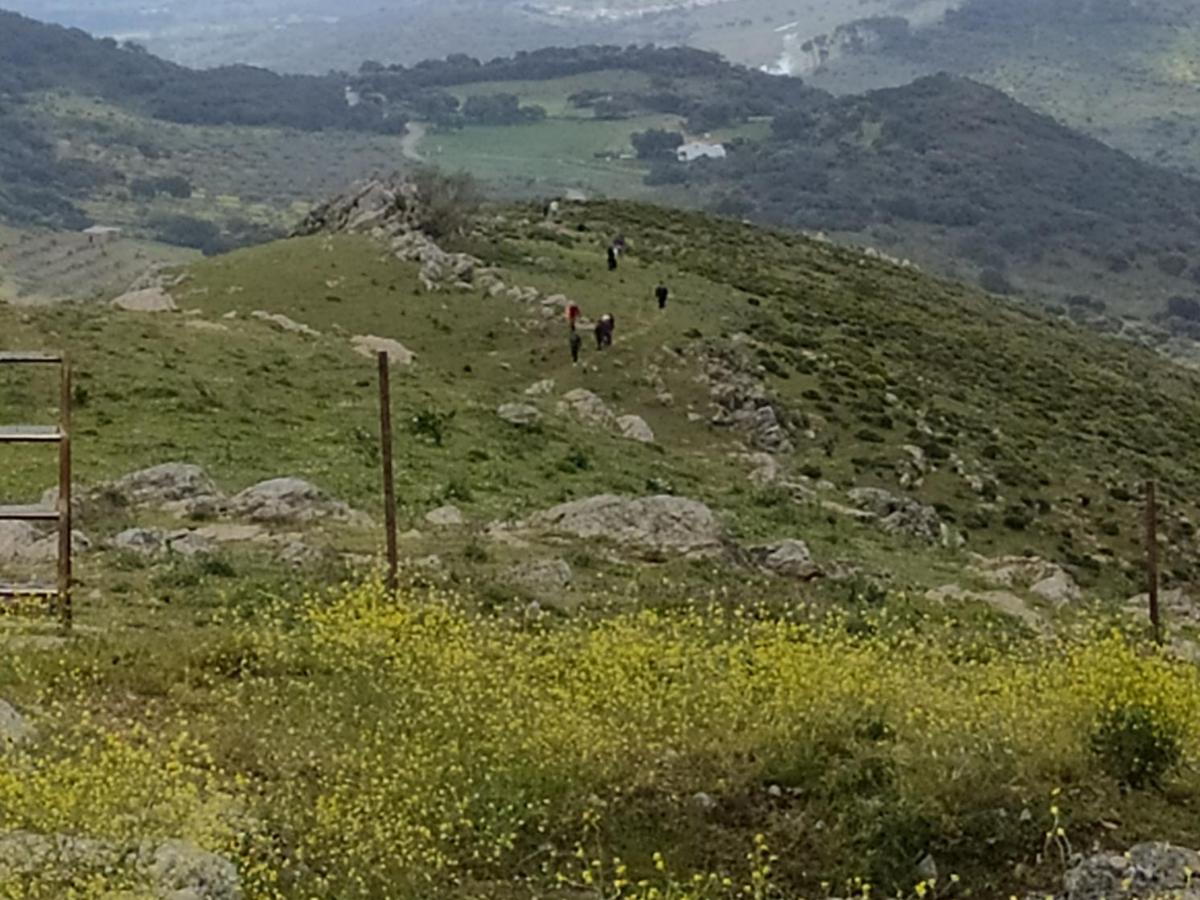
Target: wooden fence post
389, 476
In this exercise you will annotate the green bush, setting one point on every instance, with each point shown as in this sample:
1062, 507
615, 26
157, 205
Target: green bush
1137, 745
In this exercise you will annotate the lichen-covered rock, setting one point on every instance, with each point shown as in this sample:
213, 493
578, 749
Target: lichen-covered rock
14, 729
898, 514
634, 428
371, 346
587, 407
660, 524
790, 558
289, 501
1151, 870
446, 517
520, 414
541, 576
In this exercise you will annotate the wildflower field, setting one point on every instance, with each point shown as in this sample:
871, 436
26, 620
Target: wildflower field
358, 746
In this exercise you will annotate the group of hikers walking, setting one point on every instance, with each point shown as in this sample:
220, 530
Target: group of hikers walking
606, 324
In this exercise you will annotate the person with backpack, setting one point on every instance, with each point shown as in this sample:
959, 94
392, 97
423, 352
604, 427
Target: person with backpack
604, 331
576, 345
612, 259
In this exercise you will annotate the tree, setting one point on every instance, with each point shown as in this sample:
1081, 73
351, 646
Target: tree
656, 143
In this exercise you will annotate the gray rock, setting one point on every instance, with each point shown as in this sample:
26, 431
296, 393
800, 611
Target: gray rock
1004, 602
152, 299
282, 323
371, 346
659, 524
142, 541
14, 730
446, 517
541, 388
520, 414
541, 576
1058, 589
166, 483
288, 500
899, 515
789, 558
1147, 870
172, 870
635, 429
587, 408
16, 540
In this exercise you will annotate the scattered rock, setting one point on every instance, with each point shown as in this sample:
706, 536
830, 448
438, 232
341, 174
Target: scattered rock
541, 576
446, 517
172, 870
1176, 605
790, 558
520, 414
1146, 870
14, 729
587, 407
283, 323
659, 524
765, 467
153, 299
154, 542
743, 401
203, 325
289, 500
230, 533
541, 388
635, 429
371, 346
898, 514
23, 542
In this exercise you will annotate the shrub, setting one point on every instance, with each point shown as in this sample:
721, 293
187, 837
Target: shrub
431, 425
448, 202
1137, 744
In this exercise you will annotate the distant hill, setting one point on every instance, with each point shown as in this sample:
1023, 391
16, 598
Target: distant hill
1126, 72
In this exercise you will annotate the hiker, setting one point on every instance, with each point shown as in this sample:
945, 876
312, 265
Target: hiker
612, 259
576, 346
550, 210
573, 314
661, 293
619, 244
604, 331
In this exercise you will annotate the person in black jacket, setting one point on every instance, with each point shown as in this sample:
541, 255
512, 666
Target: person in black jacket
661, 293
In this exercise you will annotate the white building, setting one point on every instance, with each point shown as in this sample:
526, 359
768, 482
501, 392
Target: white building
700, 150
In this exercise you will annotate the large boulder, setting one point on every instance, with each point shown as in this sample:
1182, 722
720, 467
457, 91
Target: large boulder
660, 524
587, 408
520, 414
289, 501
448, 516
22, 542
1147, 870
371, 346
634, 428
166, 483
1058, 589
790, 558
153, 299
898, 514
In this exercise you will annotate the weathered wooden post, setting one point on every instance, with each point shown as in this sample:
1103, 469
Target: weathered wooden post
389, 476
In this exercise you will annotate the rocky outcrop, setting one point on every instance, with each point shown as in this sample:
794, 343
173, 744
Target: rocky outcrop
522, 415
743, 402
1004, 602
282, 323
446, 517
171, 870
790, 559
898, 514
156, 542
371, 346
656, 525
290, 501
1047, 580
23, 542
167, 483
1152, 870
152, 299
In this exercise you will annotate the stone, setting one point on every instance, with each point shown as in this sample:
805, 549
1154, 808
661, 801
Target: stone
169, 482
14, 730
288, 500
371, 346
520, 414
790, 558
765, 468
230, 532
587, 408
1059, 589
634, 428
281, 322
1156, 870
203, 325
659, 524
142, 541
446, 517
1004, 602
541, 388
182, 871
16, 540
541, 576
152, 299
899, 514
